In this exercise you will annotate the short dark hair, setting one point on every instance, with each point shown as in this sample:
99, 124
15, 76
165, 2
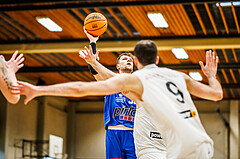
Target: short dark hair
146, 52
124, 54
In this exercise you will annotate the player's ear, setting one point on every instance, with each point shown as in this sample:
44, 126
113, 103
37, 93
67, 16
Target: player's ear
135, 60
117, 66
157, 60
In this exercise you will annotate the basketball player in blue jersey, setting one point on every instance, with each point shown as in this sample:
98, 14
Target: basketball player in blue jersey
119, 111
164, 93
7, 75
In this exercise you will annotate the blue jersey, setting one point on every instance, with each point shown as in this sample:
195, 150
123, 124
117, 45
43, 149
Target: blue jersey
119, 109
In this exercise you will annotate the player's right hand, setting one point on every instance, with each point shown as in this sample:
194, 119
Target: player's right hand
90, 37
210, 69
26, 89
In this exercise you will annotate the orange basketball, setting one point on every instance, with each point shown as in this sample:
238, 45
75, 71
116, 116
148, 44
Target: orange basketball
95, 24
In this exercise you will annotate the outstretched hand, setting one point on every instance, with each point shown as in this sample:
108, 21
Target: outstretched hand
15, 63
210, 69
88, 55
26, 89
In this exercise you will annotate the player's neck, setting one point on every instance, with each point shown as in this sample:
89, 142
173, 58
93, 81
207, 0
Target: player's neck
125, 71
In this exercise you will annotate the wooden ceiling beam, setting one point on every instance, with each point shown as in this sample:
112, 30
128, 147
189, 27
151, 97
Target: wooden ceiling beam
199, 19
120, 21
4, 6
223, 18
211, 18
128, 45
235, 17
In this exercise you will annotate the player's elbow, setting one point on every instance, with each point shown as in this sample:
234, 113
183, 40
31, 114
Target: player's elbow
218, 95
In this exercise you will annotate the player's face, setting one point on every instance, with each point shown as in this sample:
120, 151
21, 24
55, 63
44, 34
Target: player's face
125, 64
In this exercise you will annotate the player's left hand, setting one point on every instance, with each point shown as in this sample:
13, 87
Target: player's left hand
210, 69
88, 55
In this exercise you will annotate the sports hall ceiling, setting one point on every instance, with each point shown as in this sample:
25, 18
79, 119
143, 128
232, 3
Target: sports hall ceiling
52, 57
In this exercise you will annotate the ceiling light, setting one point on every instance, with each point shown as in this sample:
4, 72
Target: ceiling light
49, 24
228, 4
196, 76
180, 53
158, 20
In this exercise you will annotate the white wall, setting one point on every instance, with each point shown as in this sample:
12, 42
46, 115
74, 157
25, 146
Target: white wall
90, 136
21, 124
55, 121
216, 129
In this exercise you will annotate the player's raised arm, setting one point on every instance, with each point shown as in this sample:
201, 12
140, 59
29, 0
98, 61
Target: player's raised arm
90, 55
7, 75
213, 91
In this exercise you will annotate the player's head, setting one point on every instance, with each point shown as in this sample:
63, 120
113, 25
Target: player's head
125, 63
146, 53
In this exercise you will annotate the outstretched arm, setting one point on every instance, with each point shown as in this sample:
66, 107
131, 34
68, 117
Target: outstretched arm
90, 55
7, 75
79, 89
213, 91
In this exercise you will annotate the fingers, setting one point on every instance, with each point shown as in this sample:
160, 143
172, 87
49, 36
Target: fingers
14, 55
3, 57
90, 48
20, 61
20, 66
201, 64
97, 53
19, 57
211, 58
217, 59
27, 100
82, 54
16, 90
21, 83
87, 51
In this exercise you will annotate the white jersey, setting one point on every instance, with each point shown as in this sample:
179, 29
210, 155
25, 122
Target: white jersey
148, 141
172, 111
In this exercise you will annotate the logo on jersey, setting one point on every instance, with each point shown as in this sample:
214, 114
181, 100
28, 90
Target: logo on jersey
155, 135
120, 98
124, 113
131, 102
188, 114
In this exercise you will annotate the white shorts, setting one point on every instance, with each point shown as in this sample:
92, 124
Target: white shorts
204, 151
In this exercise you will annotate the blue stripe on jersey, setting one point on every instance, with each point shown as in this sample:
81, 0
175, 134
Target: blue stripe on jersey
119, 109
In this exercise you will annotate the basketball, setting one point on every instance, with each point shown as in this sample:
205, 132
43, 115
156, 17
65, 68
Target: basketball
95, 24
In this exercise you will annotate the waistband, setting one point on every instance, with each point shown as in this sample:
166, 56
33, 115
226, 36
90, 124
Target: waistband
119, 127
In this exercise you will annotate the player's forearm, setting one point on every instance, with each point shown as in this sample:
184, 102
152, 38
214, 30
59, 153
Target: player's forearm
74, 89
103, 71
216, 87
71, 89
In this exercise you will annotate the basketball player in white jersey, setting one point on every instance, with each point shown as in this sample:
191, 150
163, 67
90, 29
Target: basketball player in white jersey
148, 141
7, 75
164, 94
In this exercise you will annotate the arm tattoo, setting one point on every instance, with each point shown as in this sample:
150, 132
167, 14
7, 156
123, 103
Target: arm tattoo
5, 75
